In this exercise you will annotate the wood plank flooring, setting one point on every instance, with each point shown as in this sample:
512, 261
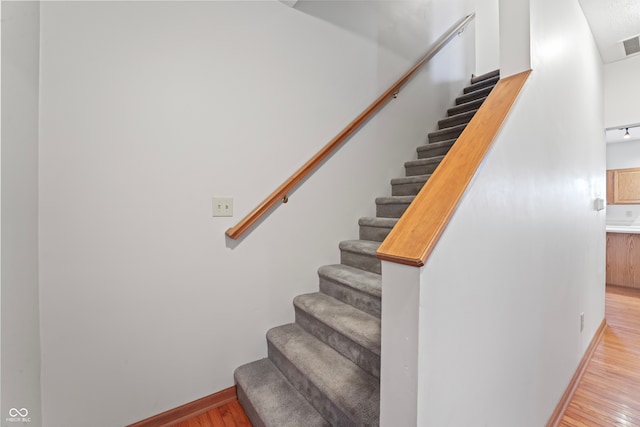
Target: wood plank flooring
229, 415
609, 393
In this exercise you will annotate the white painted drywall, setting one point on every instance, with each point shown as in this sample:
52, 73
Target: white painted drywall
148, 109
487, 36
20, 313
515, 37
400, 341
621, 93
523, 256
623, 155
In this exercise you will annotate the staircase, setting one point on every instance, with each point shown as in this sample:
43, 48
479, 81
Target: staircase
324, 369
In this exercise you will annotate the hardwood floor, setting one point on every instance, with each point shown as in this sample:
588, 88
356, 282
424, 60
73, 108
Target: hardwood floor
609, 393
229, 415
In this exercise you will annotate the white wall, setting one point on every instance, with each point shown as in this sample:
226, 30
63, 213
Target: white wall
487, 36
515, 37
20, 320
501, 295
623, 155
148, 109
621, 93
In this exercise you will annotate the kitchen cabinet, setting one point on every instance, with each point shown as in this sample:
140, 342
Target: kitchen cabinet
623, 186
623, 259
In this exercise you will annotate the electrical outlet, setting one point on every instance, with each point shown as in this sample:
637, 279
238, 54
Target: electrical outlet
223, 206
581, 321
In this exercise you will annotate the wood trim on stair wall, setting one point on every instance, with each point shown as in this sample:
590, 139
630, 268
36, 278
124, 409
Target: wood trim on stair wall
189, 410
561, 408
418, 230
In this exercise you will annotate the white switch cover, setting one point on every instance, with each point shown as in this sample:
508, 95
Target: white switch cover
598, 204
223, 206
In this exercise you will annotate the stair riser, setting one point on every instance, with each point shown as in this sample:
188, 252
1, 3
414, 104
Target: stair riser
261, 388
391, 211
455, 121
435, 151
362, 261
444, 136
376, 234
360, 300
406, 189
485, 83
256, 420
482, 77
420, 170
473, 96
309, 390
353, 351
465, 108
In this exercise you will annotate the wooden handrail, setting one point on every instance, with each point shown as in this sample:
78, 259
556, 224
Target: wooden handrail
280, 194
418, 230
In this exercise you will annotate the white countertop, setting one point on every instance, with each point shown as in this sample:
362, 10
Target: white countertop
623, 229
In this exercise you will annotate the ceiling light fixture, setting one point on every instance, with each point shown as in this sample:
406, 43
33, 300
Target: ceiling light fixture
626, 134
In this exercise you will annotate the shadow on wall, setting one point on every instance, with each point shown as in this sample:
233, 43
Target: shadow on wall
405, 28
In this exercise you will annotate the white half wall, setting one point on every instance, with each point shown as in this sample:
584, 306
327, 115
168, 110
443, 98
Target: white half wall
148, 109
524, 254
19, 294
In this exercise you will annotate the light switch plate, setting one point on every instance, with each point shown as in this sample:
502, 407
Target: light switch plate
598, 204
223, 206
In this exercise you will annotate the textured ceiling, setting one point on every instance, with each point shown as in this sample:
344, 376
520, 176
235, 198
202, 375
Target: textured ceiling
611, 22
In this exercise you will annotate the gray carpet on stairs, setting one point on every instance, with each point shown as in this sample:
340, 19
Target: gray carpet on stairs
324, 369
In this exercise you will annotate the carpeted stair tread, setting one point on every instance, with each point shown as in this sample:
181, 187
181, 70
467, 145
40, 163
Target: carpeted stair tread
376, 229
379, 222
360, 254
492, 81
375, 232
341, 391
457, 119
480, 93
422, 162
393, 206
485, 76
361, 246
408, 186
410, 179
472, 105
424, 166
359, 288
364, 281
446, 133
394, 200
351, 332
270, 400
324, 369
361, 327
434, 149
